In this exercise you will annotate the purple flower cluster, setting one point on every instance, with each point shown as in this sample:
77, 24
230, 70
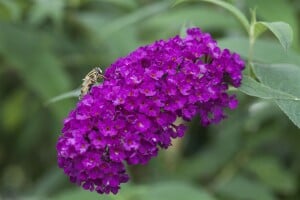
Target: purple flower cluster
131, 114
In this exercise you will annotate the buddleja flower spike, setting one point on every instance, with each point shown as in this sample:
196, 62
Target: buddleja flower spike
127, 117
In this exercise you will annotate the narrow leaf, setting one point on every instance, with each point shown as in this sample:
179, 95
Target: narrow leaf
134, 17
129, 4
271, 172
283, 78
240, 187
40, 68
281, 30
190, 15
71, 94
265, 51
277, 10
237, 13
176, 191
253, 88
259, 28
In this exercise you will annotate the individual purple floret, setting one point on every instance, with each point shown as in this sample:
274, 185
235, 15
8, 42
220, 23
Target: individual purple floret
128, 117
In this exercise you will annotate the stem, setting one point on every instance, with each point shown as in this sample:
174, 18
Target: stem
250, 53
251, 44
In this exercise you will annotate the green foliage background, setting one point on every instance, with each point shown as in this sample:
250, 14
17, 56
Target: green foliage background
47, 47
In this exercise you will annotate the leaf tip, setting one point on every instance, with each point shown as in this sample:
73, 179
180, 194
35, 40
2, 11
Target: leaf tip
177, 2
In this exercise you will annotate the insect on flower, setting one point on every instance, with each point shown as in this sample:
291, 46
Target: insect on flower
89, 80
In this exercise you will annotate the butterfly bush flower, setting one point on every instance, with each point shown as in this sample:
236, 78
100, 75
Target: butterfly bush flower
128, 117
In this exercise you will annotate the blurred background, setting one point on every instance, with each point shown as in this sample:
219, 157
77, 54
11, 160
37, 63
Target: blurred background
47, 47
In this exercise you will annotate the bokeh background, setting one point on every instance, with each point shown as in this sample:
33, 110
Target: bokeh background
47, 47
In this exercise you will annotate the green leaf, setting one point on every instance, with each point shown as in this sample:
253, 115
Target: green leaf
157, 191
277, 10
283, 78
124, 41
174, 191
291, 109
253, 88
51, 181
263, 134
43, 9
211, 159
71, 94
133, 17
206, 163
129, 4
272, 173
237, 13
266, 51
259, 28
29, 53
208, 18
78, 194
281, 30
183, 30
241, 187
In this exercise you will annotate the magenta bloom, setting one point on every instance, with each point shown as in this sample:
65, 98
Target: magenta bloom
128, 117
